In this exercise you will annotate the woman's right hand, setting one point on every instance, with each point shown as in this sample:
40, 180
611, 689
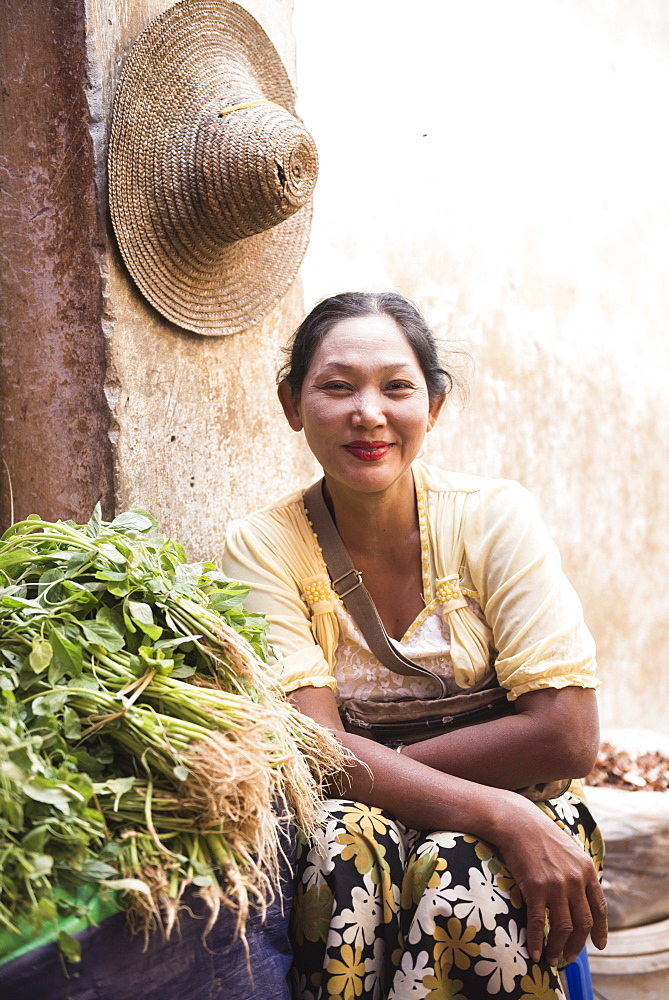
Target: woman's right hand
554, 874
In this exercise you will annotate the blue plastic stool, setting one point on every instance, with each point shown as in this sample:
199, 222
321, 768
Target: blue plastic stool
578, 978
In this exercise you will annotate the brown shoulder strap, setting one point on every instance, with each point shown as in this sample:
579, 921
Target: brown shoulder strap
347, 584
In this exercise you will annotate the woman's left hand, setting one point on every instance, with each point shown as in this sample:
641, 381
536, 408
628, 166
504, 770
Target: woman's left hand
554, 874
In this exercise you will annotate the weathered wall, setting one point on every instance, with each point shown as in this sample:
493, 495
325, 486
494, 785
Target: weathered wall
197, 430
505, 166
53, 413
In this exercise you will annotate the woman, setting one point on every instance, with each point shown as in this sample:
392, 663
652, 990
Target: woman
433, 877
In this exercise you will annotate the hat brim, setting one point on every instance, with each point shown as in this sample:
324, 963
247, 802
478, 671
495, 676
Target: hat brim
198, 55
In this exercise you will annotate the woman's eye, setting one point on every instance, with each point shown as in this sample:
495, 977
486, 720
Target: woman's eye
398, 385
336, 385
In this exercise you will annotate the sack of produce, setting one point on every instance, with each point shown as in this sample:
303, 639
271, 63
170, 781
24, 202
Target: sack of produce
630, 799
145, 748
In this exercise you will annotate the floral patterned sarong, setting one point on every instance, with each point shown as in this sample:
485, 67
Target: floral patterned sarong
386, 913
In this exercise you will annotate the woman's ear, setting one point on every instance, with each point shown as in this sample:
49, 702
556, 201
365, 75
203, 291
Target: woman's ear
436, 406
290, 407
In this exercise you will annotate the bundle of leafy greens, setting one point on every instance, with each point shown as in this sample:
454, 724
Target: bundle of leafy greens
144, 745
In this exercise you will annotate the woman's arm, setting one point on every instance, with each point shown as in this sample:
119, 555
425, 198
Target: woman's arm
554, 735
544, 652
551, 870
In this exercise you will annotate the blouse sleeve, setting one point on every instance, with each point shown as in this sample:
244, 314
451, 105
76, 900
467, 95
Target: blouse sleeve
268, 558
534, 613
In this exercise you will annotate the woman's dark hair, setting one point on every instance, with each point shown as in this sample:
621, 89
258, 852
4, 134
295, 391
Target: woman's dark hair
323, 317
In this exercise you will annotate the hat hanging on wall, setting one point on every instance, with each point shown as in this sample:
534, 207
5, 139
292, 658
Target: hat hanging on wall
210, 172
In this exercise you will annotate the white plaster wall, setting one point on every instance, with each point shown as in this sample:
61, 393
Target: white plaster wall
505, 165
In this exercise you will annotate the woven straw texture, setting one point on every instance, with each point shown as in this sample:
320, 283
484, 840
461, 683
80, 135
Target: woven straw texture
211, 211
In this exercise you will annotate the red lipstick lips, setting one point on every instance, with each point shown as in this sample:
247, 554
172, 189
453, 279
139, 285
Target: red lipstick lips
368, 451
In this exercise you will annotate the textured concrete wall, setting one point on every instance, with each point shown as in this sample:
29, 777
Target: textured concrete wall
197, 431
506, 166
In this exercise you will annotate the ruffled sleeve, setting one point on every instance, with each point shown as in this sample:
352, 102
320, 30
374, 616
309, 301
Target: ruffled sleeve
275, 553
471, 638
534, 613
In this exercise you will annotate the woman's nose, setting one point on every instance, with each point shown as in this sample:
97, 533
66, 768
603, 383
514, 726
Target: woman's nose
368, 412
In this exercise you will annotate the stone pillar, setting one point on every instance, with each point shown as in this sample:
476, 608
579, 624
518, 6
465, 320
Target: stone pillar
53, 413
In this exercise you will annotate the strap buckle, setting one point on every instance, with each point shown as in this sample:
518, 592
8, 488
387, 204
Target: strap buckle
358, 583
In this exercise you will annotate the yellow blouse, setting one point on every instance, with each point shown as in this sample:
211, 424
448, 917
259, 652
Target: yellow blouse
481, 538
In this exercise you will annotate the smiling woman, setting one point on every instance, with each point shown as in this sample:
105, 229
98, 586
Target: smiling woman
364, 405
432, 876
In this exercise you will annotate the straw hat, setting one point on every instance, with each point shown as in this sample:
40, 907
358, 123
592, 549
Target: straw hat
210, 172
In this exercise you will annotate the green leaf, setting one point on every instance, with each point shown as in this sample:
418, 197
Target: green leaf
75, 592
88, 762
8, 681
179, 641
127, 620
118, 786
52, 575
103, 634
7, 601
41, 654
56, 672
189, 571
50, 703
112, 575
8, 769
112, 617
35, 839
134, 520
92, 870
12, 658
10, 557
71, 724
69, 945
159, 662
180, 673
141, 612
213, 575
187, 577
153, 631
13, 813
69, 654
75, 562
95, 523
44, 790
84, 683
79, 784
111, 850
232, 596
112, 553
118, 588
47, 908
255, 622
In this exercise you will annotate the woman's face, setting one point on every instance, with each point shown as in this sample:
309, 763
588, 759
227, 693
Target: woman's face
364, 405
